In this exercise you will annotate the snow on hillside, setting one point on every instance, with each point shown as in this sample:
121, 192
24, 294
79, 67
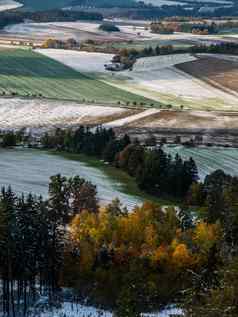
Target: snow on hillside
9, 4
88, 62
160, 3
153, 77
16, 113
208, 159
85, 62
159, 76
78, 310
129, 119
172, 2
153, 63
169, 80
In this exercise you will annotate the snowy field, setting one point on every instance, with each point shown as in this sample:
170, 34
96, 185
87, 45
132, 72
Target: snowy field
154, 77
209, 159
9, 5
17, 113
82, 31
183, 87
165, 2
85, 62
212, 1
37, 31
159, 3
77, 310
148, 64
159, 78
29, 170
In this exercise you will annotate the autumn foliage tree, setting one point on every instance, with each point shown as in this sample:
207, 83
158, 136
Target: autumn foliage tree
146, 245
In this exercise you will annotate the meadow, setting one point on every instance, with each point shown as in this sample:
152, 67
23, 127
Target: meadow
24, 72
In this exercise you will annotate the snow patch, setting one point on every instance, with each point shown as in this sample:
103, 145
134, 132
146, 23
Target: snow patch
17, 113
85, 62
9, 5
124, 121
73, 310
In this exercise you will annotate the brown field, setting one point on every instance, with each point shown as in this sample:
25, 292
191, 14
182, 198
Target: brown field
222, 74
193, 119
211, 127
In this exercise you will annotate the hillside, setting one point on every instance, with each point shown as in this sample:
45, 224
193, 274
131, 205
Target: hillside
29, 74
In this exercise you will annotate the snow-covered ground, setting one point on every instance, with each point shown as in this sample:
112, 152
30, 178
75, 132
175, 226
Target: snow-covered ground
132, 118
73, 310
148, 64
168, 2
29, 170
170, 80
82, 31
235, 36
154, 77
85, 62
37, 31
78, 30
9, 5
159, 78
16, 113
160, 3
209, 159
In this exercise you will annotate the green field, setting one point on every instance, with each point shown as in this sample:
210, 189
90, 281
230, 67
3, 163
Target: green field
26, 73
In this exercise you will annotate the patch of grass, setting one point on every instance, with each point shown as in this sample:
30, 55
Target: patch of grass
27, 73
129, 185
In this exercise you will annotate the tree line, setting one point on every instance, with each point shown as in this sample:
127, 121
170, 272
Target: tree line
154, 171
129, 56
201, 28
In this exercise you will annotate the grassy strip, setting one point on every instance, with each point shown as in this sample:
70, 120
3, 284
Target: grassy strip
128, 183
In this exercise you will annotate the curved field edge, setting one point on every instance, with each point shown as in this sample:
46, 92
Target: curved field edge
156, 77
128, 183
27, 73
